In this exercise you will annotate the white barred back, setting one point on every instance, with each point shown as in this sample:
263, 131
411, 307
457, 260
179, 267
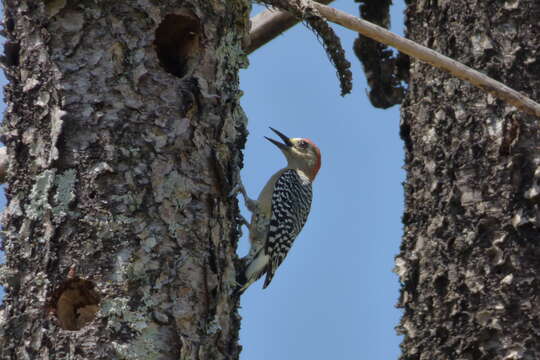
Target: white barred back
291, 203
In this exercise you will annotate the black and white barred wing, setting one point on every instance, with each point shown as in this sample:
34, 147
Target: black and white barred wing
291, 202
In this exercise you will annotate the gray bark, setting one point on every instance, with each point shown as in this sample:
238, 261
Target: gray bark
469, 262
123, 131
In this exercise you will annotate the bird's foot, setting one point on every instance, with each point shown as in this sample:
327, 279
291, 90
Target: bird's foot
243, 220
252, 205
236, 189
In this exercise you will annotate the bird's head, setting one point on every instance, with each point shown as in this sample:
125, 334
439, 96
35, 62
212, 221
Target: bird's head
301, 153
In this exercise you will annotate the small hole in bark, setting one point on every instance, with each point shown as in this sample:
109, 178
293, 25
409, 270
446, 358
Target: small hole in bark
75, 303
9, 24
441, 282
177, 42
11, 53
442, 335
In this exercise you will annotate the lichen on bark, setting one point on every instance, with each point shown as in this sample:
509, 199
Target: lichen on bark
119, 171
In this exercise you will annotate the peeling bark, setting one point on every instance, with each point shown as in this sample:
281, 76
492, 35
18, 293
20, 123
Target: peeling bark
124, 135
469, 261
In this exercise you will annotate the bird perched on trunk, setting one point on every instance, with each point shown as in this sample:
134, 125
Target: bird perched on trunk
281, 210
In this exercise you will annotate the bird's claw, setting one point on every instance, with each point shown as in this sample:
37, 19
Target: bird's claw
235, 190
251, 204
243, 221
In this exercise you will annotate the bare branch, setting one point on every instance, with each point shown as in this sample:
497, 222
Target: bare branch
332, 45
385, 70
269, 24
432, 57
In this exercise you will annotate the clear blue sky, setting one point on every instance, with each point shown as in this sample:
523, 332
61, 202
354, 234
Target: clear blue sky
334, 296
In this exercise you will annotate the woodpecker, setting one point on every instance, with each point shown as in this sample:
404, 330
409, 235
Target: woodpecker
281, 209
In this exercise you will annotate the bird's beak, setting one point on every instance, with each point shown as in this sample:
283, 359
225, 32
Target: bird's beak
286, 142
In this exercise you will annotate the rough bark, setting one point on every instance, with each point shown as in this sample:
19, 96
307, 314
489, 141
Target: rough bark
469, 262
123, 132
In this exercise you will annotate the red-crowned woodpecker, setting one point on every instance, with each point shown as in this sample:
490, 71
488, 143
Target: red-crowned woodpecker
281, 210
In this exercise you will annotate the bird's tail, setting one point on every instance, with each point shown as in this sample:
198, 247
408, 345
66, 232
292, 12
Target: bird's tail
254, 269
268, 279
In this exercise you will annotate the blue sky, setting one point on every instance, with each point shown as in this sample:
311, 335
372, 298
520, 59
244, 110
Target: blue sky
334, 295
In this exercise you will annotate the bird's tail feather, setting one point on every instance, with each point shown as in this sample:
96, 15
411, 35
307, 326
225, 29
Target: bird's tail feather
253, 271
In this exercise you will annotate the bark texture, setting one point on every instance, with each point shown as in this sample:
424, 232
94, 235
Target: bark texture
470, 258
123, 131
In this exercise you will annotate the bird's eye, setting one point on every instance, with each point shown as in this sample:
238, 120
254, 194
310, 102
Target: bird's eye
302, 144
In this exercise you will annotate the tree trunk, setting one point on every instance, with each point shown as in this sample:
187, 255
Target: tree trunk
470, 258
124, 130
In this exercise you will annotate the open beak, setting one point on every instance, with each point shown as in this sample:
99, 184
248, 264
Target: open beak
286, 142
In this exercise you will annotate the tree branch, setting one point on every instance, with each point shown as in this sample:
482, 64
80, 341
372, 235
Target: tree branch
269, 24
432, 57
385, 70
305, 11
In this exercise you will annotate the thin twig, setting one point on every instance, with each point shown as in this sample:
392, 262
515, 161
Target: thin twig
269, 24
432, 57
